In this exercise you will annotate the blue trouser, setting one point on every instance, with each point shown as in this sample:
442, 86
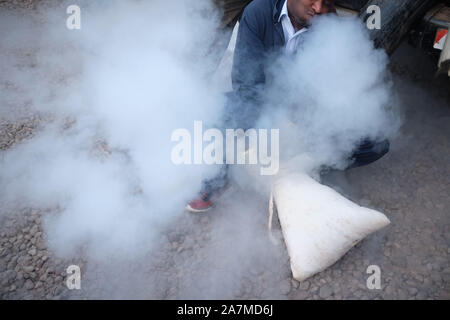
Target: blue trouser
366, 153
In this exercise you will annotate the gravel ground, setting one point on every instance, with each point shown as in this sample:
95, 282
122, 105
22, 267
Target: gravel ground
197, 255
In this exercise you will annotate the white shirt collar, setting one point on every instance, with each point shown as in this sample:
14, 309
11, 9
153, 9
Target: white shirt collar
284, 11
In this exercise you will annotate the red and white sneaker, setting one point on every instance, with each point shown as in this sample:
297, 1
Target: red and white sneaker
201, 204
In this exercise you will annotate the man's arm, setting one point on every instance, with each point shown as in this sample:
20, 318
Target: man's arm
248, 63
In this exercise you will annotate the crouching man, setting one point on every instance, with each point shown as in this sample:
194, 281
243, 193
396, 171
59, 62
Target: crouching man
267, 28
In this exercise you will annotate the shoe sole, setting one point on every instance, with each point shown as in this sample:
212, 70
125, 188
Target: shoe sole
190, 209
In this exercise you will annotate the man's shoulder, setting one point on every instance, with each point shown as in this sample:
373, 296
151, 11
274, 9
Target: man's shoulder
260, 9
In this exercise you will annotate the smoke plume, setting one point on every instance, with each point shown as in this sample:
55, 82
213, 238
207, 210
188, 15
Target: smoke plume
111, 94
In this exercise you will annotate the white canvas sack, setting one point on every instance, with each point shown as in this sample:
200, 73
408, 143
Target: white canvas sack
318, 224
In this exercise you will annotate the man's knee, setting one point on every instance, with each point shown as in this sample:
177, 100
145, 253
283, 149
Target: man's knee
368, 152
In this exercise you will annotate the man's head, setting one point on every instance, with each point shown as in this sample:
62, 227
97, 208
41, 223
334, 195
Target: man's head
301, 11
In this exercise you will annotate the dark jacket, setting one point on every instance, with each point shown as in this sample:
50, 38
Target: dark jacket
259, 36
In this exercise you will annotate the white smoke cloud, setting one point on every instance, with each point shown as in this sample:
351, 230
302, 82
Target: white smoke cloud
135, 72
333, 94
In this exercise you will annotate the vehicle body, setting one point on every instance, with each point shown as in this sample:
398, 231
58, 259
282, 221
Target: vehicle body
424, 22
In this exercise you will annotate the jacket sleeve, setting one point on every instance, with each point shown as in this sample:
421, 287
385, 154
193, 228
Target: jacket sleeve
248, 63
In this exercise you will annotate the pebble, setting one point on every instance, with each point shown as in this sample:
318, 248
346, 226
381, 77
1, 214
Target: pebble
413, 291
285, 286
304, 285
421, 295
29, 285
401, 294
301, 295
10, 275
40, 245
389, 290
28, 269
325, 291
